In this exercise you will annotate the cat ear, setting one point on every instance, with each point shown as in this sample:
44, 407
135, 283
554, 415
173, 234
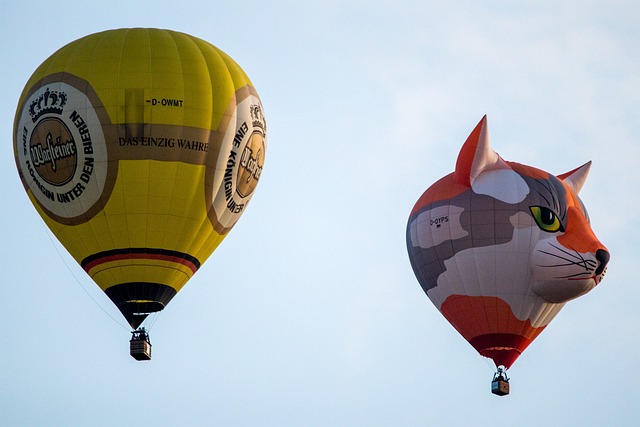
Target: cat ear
576, 178
477, 156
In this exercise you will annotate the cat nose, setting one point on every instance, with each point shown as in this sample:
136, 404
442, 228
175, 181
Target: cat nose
603, 258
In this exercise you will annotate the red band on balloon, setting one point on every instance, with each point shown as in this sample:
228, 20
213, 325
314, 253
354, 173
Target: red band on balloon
140, 254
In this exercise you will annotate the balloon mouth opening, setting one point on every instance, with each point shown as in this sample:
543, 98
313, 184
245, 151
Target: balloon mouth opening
504, 349
503, 358
136, 312
137, 300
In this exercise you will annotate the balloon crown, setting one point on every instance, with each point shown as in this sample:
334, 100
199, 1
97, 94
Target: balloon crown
257, 118
50, 101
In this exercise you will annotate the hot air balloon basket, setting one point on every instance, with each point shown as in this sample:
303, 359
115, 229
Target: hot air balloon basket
140, 350
500, 387
139, 345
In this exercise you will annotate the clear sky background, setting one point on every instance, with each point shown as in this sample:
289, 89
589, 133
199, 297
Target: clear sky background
309, 314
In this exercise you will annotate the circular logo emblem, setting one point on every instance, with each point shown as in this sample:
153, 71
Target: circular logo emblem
251, 162
241, 160
52, 151
62, 154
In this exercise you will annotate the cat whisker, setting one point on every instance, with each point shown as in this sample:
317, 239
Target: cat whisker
569, 261
587, 264
575, 254
556, 265
585, 275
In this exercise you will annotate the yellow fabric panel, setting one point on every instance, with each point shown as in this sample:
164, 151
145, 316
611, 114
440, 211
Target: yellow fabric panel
168, 213
164, 63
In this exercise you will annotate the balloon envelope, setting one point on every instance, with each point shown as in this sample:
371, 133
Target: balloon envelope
499, 247
140, 148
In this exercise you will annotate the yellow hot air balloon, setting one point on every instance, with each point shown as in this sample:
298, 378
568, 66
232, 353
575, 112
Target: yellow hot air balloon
140, 148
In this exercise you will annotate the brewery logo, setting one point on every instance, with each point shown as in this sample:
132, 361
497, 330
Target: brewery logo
61, 150
252, 157
241, 158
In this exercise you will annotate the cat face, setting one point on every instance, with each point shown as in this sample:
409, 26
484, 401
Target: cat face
503, 230
568, 260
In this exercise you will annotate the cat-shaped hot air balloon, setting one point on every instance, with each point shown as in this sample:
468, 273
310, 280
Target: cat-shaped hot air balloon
499, 247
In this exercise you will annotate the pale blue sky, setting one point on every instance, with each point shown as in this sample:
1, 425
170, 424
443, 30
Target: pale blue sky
309, 313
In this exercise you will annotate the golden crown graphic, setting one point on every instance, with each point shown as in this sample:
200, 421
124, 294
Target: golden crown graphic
50, 101
257, 117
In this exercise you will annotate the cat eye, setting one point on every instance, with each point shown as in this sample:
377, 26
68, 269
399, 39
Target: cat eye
546, 219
